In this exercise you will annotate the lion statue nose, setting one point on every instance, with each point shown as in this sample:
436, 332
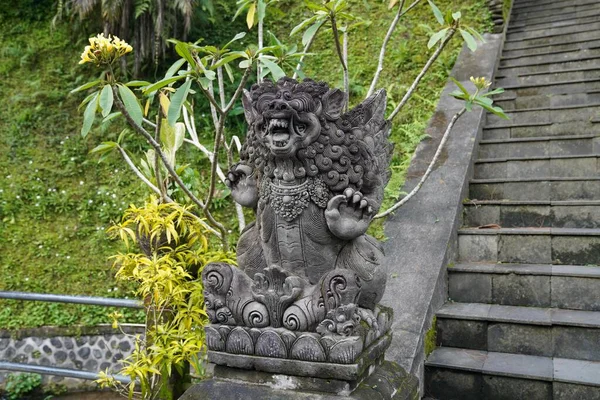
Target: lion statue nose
278, 105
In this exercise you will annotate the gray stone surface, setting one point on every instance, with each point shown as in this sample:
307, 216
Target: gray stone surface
470, 288
462, 333
453, 385
564, 288
387, 382
503, 388
522, 339
569, 391
422, 238
576, 371
518, 290
578, 343
66, 348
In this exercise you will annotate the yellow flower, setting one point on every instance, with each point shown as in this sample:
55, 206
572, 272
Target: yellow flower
481, 82
104, 50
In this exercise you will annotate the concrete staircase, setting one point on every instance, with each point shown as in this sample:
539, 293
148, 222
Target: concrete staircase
523, 320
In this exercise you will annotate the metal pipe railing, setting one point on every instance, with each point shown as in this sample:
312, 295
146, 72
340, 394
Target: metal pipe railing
70, 373
61, 298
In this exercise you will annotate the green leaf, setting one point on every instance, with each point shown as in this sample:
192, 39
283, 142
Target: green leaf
162, 83
250, 15
106, 100
497, 111
494, 92
104, 147
436, 37
85, 86
137, 83
235, 38
174, 68
229, 72
227, 59
241, 7
483, 101
456, 16
460, 86
177, 101
184, 51
311, 32
475, 34
261, 9
111, 116
89, 115
469, 39
315, 7
131, 104
245, 64
303, 24
275, 69
205, 83
459, 95
436, 12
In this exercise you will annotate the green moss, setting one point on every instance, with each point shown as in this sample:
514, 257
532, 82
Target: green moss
430, 338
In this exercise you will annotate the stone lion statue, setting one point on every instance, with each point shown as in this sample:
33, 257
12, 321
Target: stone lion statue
315, 177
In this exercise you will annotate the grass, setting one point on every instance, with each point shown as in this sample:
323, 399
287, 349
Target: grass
56, 201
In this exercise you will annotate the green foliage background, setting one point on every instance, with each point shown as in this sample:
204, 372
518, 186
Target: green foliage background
56, 200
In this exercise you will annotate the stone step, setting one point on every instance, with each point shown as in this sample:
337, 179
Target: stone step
539, 189
540, 40
513, 102
540, 146
550, 49
509, 48
580, 63
554, 20
529, 285
586, 18
530, 245
591, 52
543, 4
565, 42
521, 214
543, 129
453, 374
554, 32
541, 115
537, 167
535, 331
531, 15
544, 79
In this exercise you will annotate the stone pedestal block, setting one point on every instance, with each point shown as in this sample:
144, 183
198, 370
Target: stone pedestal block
386, 381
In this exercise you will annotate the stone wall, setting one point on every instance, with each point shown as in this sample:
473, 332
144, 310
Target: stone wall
92, 349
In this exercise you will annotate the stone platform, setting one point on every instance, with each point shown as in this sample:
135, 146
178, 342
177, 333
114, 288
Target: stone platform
386, 381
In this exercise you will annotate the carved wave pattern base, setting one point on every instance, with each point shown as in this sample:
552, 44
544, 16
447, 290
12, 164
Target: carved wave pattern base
303, 346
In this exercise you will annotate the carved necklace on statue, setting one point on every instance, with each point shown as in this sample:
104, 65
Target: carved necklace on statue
288, 202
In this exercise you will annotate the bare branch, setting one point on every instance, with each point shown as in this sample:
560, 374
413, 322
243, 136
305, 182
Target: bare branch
429, 63
429, 169
237, 93
139, 129
346, 77
306, 49
137, 171
387, 38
